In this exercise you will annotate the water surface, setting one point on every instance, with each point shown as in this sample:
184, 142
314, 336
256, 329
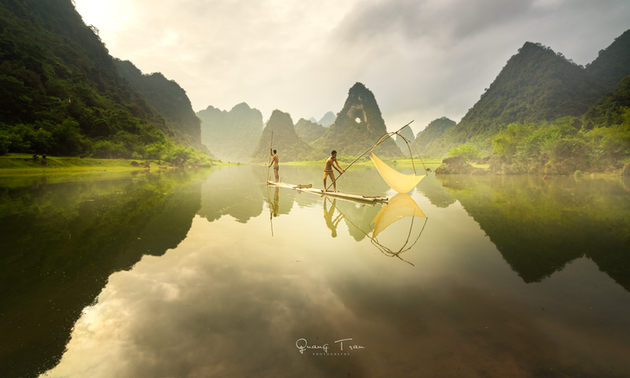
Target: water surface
213, 273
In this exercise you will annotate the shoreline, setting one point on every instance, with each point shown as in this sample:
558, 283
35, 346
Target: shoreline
23, 164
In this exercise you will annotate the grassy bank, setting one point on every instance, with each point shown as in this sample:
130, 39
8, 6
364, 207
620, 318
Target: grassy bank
16, 163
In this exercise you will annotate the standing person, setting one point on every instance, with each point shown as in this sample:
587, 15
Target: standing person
275, 160
328, 169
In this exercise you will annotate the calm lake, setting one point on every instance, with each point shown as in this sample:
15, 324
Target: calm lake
212, 273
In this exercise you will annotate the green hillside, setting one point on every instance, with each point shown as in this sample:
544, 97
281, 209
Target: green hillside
543, 114
609, 110
180, 121
612, 63
535, 85
285, 140
61, 93
429, 142
309, 131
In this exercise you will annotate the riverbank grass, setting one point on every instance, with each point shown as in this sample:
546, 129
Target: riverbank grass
16, 163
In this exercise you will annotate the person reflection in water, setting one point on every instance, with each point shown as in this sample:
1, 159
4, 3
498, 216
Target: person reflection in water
328, 169
276, 201
328, 216
275, 161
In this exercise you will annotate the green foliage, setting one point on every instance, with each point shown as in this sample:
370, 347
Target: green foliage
180, 156
538, 86
467, 151
554, 142
61, 93
610, 145
610, 109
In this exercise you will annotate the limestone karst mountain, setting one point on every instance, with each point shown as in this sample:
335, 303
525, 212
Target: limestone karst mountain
181, 123
613, 63
309, 130
62, 91
285, 140
428, 141
538, 85
407, 132
233, 135
357, 127
535, 85
328, 119
610, 109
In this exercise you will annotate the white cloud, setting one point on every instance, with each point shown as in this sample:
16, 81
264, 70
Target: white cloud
422, 59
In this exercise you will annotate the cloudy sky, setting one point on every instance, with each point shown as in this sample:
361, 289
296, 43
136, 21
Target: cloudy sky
422, 59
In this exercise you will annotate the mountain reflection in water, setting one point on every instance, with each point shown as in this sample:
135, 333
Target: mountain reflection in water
503, 281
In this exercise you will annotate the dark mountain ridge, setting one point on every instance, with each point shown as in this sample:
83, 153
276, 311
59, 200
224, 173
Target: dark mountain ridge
62, 94
612, 63
535, 87
181, 123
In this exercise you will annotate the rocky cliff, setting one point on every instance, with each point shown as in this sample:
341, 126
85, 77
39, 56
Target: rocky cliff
285, 140
358, 126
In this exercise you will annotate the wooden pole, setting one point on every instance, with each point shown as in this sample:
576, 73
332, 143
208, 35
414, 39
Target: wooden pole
270, 150
383, 138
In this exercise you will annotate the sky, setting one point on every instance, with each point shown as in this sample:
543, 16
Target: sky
422, 59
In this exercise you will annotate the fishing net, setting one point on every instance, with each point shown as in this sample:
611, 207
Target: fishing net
400, 182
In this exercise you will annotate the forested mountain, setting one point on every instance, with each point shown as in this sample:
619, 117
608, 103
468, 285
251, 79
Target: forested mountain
181, 123
328, 119
407, 132
231, 136
535, 85
309, 131
61, 94
285, 140
357, 127
539, 87
429, 142
609, 110
612, 63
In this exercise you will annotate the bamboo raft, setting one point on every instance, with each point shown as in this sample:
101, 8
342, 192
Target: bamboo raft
350, 197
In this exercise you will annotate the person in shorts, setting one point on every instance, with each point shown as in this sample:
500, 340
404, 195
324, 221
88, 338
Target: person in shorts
328, 169
274, 161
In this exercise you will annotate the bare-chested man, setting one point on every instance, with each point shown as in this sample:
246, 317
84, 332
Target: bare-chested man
275, 160
328, 169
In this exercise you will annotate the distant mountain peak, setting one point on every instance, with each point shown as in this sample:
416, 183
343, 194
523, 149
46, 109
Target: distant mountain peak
357, 126
328, 119
233, 135
285, 140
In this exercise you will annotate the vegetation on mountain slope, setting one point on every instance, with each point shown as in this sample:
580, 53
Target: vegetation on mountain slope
61, 93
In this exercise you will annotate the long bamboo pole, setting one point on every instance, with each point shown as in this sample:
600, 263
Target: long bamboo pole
383, 138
